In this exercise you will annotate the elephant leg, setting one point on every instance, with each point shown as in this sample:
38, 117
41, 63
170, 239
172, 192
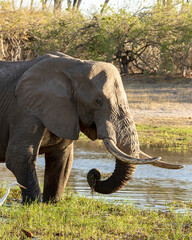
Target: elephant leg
26, 175
58, 164
21, 157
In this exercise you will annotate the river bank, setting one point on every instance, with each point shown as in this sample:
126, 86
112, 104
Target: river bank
171, 138
82, 218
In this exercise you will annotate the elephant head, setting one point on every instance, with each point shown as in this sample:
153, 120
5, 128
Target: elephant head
69, 95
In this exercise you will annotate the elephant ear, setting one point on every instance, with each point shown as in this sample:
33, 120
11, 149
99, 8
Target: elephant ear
46, 91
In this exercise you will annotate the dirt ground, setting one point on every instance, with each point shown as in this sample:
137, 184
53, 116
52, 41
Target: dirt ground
160, 100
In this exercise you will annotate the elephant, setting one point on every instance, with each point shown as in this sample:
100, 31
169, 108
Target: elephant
45, 103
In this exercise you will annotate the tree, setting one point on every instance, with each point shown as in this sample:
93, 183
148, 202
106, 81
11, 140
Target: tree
44, 4
21, 2
57, 6
31, 5
71, 6
76, 4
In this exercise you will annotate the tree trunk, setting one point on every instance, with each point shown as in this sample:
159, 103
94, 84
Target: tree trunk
69, 5
44, 5
57, 6
13, 4
31, 6
76, 4
186, 67
21, 3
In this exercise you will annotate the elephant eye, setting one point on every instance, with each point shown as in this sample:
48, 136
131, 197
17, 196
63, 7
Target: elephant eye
99, 101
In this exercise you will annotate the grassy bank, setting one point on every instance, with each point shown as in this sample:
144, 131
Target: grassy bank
166, 137
81, 218
171, 138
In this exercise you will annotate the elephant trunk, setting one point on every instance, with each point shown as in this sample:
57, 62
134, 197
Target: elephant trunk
124, 169
126, 152
120, 177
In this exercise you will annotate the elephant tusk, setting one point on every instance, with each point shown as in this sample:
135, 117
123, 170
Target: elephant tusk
115, 151
161, 164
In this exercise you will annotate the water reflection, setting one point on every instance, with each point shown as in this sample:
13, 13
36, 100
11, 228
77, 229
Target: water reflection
149, 187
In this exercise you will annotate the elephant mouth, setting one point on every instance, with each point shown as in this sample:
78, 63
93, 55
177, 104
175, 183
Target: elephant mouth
90, 130
93, 126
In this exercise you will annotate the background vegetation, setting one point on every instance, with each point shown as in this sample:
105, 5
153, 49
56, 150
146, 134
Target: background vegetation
156, 40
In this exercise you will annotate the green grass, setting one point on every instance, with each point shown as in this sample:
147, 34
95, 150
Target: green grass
170, 138
82, 218
163, 137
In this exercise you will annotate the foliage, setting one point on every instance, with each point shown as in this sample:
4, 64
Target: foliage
171, 32
157, 40
82, 218
58, 34
15, 28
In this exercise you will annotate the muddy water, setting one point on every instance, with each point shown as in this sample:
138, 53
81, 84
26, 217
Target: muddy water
150, 186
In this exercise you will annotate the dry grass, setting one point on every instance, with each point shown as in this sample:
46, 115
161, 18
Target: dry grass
160, 101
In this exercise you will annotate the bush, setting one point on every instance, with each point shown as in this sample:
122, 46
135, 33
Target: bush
158, 40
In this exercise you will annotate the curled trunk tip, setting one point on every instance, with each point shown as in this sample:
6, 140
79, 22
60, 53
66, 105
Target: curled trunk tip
93, 176
119, 178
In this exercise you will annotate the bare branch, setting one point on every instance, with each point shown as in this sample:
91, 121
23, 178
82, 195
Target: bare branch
104, 6
21, 3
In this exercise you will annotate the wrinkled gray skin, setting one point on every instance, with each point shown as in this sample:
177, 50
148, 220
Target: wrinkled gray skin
44, 103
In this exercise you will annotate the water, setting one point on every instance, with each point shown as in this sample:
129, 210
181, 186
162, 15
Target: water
150, 186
